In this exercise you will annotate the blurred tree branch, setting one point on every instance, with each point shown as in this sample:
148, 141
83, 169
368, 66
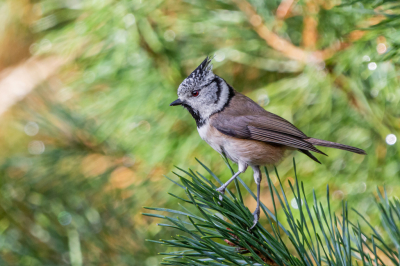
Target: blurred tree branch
309, 34
17, 82
310, 30
278, 43
284, 9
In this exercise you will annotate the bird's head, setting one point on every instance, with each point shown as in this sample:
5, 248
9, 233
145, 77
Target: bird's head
203, 93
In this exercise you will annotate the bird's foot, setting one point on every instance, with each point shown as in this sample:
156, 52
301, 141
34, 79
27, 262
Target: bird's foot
256, 215
222, 191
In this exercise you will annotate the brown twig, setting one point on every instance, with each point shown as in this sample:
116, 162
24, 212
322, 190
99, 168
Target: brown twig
17, 82
265, 258
287, 48
310, 31
284, 9
276, 42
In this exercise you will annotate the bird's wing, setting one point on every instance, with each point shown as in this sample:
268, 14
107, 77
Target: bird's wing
242, 106
265, 127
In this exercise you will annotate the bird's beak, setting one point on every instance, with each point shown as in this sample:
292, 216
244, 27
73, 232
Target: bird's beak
176, 102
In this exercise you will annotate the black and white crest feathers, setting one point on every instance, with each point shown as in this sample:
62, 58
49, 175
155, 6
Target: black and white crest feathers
202, 69
201, 74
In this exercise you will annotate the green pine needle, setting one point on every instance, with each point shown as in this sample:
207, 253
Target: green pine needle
217, 232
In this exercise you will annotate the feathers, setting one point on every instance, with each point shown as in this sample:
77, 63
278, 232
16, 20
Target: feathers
200, 71
250, 113
244, 119
309, 154
250, 152
325, 143
239, 127
199, 77
280, 138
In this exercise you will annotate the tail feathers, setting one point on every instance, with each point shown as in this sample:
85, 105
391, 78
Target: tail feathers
309, 154
325, 143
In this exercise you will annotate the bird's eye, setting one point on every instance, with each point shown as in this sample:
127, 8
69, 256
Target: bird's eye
195, 93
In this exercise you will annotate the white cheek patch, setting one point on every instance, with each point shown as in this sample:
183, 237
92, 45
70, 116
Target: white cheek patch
224, 96
212, 103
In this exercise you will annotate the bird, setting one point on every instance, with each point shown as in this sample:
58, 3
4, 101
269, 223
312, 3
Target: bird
239, 128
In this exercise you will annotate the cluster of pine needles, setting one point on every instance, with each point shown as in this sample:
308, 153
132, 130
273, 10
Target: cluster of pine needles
217, 232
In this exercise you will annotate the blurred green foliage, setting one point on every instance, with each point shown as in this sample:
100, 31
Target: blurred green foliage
72, 193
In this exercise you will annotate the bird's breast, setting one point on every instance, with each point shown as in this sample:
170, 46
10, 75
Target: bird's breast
210, 135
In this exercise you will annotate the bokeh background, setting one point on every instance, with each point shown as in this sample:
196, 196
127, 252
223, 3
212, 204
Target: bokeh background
86, 131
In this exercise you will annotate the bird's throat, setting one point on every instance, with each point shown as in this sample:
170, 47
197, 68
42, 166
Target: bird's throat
195, 114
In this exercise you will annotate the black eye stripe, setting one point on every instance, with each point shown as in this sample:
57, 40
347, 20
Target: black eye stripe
212, 81
208, 84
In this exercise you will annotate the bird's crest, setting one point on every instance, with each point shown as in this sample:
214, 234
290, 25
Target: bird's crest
202, 69
201, 74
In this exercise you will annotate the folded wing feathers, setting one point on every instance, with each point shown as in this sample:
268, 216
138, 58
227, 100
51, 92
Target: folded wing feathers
275, 123
281, 138
268, 127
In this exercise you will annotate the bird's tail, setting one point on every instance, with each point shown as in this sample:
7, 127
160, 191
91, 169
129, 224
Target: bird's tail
325, 143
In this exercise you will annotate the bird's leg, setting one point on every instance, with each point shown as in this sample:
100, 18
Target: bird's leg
221, 189
257, 179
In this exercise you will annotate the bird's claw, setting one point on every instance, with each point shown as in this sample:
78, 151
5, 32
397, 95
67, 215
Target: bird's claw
256, 215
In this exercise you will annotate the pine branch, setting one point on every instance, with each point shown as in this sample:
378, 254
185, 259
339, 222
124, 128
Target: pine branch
294, 52
217, 233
